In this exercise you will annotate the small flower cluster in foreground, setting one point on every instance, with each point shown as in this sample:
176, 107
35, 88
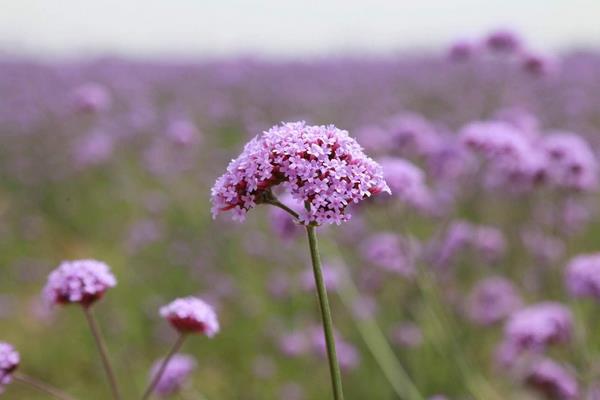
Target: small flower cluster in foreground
9, 362
191, 315
321, 166
79, 281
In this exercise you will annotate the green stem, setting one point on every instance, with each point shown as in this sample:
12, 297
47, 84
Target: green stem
334, 368
103, 352
163, 366
41, 387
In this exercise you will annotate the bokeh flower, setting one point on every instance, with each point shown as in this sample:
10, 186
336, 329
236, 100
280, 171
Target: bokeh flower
175, 375
191, 315
491, 300
79, 281
552, 380
583, 276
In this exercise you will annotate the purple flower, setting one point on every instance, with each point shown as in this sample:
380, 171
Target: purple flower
91, 97
191, 315
388, 251
461, 50
492, 300
537, 64
178, 370
495, 140
321, 166
489, 242
9, 362
571, 161
552, 380
534, 328
503, 41
410, 134
407, 182
583, 276
407, 334
93, 149
78, 281
182, 132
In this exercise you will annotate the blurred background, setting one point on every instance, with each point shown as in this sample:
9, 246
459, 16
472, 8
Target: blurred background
116, 117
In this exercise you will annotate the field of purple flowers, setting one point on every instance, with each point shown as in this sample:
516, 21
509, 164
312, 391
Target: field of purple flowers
478, 277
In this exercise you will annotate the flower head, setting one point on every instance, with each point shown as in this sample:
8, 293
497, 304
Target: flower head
91, 97
174, 376
503, 41
492, 300
9, 362
321, 166
552, 380
191, 315
583, 276
79, 281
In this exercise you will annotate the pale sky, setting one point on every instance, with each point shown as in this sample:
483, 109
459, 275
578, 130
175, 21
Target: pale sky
281, 27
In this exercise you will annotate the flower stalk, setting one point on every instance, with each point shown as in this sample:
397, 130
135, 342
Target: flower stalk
41, 387
103, 352
163, 366
334, 368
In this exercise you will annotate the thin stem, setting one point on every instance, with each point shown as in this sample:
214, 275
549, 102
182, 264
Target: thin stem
42, 386
334, 368
103, 352
163, 366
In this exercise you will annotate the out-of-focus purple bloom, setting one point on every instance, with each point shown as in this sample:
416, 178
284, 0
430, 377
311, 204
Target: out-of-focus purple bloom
552, 380
571, 162
456, 238
503, 41
534, 328
91, 97
175, 375
495, 140
410, 134
364, 307
294, 344
191, 315
544, 248
9, 362
407, 334
94, 149
583, 276
492, 300
489, 242
182, 132
321, 166
78, 281
461, 50
407, 182
537, 64
348, 355
388, 251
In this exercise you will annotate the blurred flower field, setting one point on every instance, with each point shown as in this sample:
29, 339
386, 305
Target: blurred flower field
477, 278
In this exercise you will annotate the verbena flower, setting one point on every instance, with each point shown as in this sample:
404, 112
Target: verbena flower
91, 97
407, 182
321, 166
552, 380
492, 300
178, 370
534, 328
503, 41
583, 276
390, 252
78, 281
191, 315
571, 161
9, 362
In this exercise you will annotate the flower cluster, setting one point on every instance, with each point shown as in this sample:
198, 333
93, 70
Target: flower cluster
78, 281
534, 328
571, 162
407, 182
552, 380
492, 300
9, 362
583, 276
321, 166
191, 315
178, 370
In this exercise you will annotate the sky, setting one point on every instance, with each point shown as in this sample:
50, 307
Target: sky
282, 28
